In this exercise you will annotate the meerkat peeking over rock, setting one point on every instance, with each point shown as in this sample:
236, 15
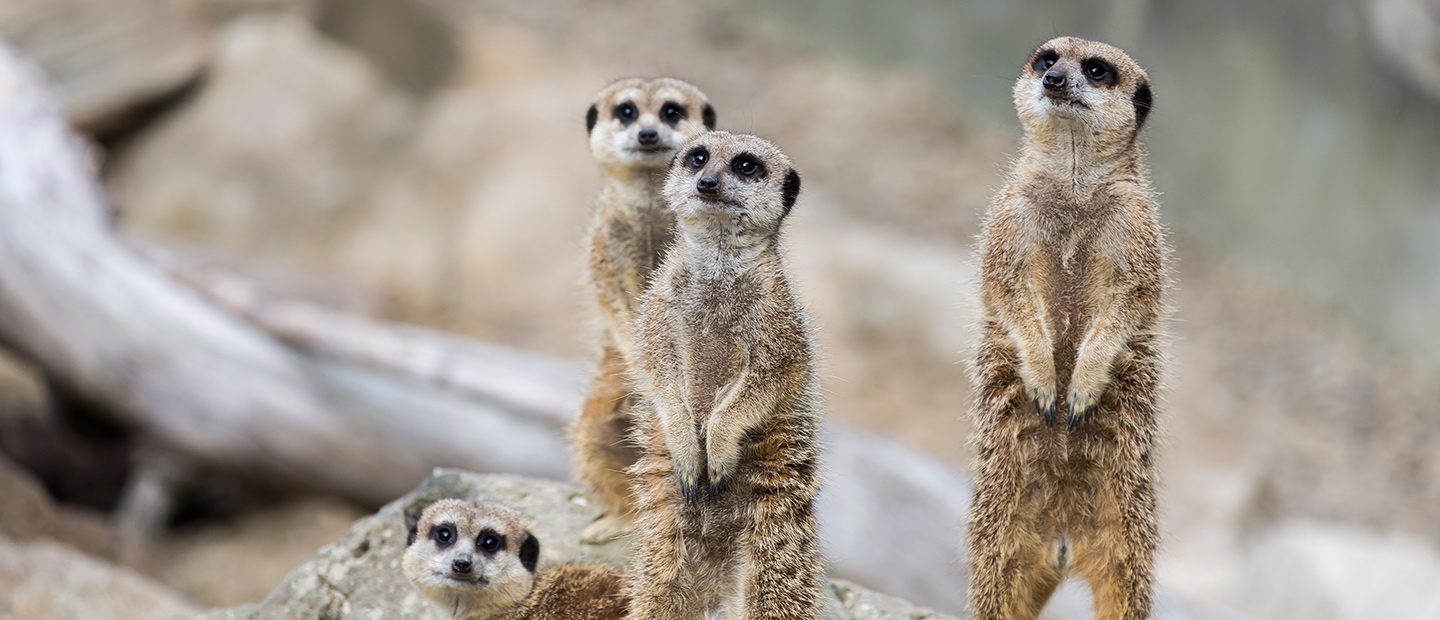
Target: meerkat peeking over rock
635, 126
1073, 283
479, 561
726, 485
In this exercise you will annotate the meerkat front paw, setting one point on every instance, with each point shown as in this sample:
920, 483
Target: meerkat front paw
721, 466
1039, 378
687, 471
1082, 401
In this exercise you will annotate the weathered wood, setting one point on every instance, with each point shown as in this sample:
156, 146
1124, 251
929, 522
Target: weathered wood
120, 332
290, 391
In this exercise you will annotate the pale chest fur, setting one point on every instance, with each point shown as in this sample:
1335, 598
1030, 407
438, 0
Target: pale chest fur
635, 231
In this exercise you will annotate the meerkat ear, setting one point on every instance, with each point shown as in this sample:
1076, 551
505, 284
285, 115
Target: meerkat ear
790, 190
1142, 104
410, 536
530, 552
707, 114
591, 116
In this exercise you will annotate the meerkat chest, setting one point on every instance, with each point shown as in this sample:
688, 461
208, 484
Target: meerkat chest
1069, 271
715, 332
639, 237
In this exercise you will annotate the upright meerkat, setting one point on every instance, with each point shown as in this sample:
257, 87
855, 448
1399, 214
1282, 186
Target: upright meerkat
479, 562
1073, 276
635, 126
727, 482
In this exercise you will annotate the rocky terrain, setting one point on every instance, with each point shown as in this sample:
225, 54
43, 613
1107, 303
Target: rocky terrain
446, 182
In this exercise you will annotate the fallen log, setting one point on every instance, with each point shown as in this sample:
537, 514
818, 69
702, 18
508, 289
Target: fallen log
292, 392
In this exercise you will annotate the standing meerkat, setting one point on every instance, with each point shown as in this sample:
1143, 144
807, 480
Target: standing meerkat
635, 126
1073, 277
478, 561
727, 482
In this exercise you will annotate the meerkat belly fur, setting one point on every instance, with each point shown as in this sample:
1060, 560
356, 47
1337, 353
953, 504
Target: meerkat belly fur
727, 482
635, 127
1074, 277
479, 561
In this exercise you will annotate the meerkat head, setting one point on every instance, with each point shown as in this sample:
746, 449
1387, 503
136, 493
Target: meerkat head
1072, 83
474, 559
638, 123
738, 182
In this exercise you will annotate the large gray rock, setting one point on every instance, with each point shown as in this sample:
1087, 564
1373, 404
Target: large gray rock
359, 576
44, 580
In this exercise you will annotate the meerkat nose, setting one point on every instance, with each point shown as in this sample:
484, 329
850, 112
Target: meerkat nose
707, 185
648, 136
1054, 79
462, 565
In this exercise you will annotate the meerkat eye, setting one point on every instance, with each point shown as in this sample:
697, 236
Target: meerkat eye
672, 112
696, 158
1045, 60
490, 542
747, 166
444, 535
625, 113
1099, 71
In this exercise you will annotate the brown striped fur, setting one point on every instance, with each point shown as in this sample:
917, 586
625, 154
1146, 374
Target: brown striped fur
1073, 282
633, 229
727, 483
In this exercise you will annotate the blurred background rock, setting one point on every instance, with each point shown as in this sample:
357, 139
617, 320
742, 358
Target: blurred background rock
424, 161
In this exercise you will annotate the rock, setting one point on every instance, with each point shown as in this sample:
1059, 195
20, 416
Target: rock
26, 513
43, 580
108, 57
1314, 571
359, 575
413, 43
275, 149
240, 561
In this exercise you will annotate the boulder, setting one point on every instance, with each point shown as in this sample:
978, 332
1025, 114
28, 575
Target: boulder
359, 575
108, 57
26, 512
44, 580
1317, 571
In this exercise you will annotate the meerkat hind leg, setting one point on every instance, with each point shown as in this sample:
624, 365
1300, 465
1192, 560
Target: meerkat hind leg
603, 450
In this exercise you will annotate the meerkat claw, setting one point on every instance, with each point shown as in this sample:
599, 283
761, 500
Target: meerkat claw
1047, 412
1075, 419
689, 489
715, 488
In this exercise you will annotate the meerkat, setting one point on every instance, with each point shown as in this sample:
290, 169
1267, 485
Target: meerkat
478, 561
729, 473
1073, 283
635, 127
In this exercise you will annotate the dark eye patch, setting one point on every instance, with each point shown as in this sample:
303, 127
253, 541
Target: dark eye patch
1045, 59
748, 167
708, 116
626, 112
697, 158
672, 113
490, 542
591, 116
443, 535
1098, 71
